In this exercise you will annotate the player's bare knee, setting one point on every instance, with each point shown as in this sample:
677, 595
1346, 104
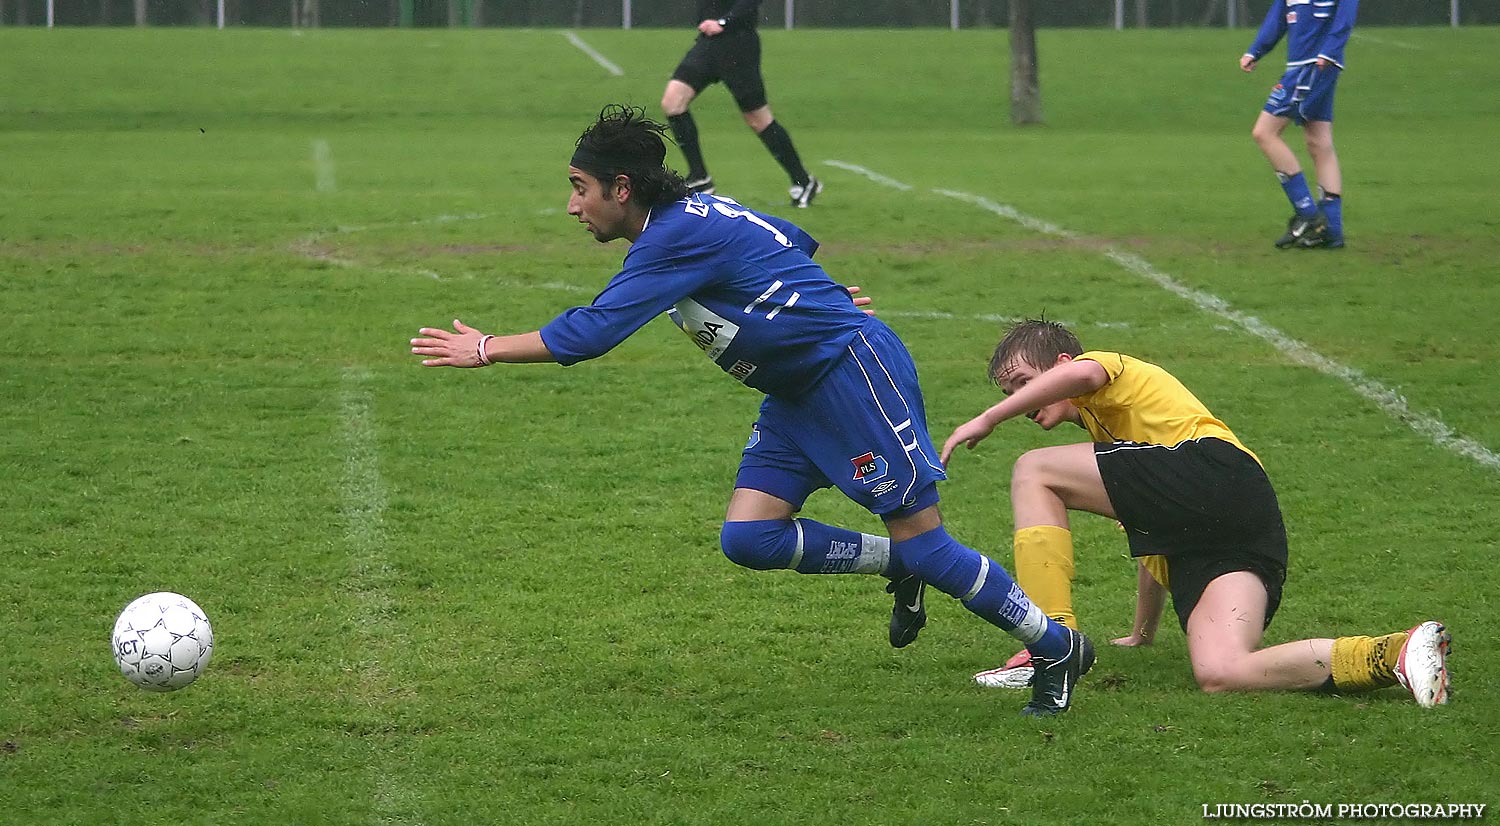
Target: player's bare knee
1319, 146
1215, 677
1031, 472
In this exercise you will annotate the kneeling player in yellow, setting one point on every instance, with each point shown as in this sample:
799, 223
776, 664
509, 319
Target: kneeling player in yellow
1198, 511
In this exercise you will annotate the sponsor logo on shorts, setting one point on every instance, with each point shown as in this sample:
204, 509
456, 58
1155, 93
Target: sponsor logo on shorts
885, 487
869, 467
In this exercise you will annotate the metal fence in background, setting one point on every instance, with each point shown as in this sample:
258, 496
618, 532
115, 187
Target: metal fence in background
954, 14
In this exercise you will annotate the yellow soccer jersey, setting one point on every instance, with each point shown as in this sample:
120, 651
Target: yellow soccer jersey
1144, 403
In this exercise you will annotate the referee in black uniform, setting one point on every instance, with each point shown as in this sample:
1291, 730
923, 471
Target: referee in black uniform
728, 49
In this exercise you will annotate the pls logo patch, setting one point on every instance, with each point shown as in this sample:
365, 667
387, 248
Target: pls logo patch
869, 467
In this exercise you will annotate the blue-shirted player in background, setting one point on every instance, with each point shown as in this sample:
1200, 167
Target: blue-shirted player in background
842, 406
1316, 32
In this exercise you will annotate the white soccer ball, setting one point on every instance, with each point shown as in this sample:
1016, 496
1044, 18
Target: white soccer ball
163, 641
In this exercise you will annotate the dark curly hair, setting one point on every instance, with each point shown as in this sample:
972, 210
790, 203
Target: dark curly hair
1036, 341
626, 142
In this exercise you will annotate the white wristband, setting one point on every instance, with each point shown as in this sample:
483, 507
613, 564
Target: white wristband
484, 358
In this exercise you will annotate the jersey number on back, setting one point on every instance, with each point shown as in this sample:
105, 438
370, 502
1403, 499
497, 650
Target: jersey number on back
700, 209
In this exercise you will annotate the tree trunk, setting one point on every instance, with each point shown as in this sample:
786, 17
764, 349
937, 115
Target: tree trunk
140, 12
1140, 13
1025, 88
982, 15
578, 14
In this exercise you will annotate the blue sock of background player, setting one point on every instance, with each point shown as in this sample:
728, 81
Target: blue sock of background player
1297, 191
1332, 205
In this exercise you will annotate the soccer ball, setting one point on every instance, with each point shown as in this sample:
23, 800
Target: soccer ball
162, 641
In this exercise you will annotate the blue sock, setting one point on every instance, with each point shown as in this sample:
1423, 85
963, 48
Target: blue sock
1295, 187
809, 547
984, 588
1333, 208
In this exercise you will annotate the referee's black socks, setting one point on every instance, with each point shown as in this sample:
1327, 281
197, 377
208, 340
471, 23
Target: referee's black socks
780, 143
685, 132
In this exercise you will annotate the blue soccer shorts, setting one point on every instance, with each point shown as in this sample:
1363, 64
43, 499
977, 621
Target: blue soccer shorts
1305, 93
862, 429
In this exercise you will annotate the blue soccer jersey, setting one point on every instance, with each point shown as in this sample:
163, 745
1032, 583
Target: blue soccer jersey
1313, 29
742, 285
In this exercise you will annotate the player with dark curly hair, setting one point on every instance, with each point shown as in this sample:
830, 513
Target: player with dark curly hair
842, 405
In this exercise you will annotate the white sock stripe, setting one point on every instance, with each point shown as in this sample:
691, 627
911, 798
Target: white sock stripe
874, 554
1033, 627
797, 554
984, 573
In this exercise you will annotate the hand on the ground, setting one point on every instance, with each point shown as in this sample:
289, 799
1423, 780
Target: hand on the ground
1132, 641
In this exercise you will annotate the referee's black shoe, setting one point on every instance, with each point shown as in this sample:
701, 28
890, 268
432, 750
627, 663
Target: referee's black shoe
702, 186
803, 194
909, 614
1299, 228
1053, 681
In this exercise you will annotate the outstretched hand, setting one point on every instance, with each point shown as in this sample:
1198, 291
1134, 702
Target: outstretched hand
860, 300
445, 349
969, 434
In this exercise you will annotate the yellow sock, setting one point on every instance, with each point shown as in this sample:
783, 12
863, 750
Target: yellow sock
1044, 570
1363, 663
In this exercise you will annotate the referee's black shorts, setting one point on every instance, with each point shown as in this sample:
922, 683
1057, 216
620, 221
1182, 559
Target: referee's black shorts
733, 57
1205, 505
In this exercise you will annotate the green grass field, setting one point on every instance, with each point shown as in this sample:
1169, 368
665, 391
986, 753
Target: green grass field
448, 597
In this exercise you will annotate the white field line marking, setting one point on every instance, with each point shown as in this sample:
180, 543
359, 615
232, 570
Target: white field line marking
1380, 41
594, 53
1392, 402
874, 176
438, 219
322, 155
362, 492
304, 250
